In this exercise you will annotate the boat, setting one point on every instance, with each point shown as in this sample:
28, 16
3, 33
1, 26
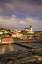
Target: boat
6, 40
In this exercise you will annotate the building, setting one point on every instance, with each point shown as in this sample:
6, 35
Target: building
1, 32
16, 34
29, 30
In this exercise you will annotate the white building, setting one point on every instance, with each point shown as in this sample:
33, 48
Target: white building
5, 31
29, 30
16, 35
1, 32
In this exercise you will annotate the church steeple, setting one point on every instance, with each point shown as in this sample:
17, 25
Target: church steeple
30, 26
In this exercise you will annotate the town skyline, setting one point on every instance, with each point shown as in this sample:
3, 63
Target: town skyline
20, 14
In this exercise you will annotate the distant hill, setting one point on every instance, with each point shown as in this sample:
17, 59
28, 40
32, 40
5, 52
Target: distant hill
4, 29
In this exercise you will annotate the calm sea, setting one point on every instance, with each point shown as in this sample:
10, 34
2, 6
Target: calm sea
12, 47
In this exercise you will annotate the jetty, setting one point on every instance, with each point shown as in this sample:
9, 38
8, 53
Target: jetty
25, 45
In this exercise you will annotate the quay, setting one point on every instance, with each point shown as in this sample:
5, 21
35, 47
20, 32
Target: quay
25, 45
27, 41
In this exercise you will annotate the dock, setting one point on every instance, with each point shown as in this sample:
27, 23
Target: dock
26, 46
28, 41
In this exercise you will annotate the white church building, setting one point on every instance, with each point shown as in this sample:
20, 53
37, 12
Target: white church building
29, 30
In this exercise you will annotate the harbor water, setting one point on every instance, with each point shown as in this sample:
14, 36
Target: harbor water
12, 47
36, 44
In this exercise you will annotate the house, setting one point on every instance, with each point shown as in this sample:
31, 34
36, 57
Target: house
5, 31
19, 31
16, 34
1, 32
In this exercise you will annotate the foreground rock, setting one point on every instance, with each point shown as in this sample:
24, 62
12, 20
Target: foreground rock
30, 56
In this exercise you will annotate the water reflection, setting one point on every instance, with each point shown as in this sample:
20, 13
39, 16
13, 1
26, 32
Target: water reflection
6, 48
10, 47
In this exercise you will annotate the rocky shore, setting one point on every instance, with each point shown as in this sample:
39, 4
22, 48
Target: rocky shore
30, 56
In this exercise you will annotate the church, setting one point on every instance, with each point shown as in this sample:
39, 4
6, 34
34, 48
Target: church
29, 30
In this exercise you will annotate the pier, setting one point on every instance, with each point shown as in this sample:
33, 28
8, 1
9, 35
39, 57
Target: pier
26, 46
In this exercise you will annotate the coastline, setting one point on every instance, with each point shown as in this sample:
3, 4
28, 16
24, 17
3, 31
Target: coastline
22, 41
28, 41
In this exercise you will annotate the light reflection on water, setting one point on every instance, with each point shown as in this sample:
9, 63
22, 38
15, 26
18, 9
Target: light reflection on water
5, 48
10, 47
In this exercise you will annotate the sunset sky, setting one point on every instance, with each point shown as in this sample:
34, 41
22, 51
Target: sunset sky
20, 14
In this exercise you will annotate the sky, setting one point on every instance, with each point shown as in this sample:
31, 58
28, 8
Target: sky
20, 14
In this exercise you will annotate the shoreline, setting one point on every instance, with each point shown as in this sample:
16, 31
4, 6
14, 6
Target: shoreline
22, 57
29, 41
22, 41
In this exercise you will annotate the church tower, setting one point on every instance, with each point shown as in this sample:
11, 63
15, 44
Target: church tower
31, 29
30, 26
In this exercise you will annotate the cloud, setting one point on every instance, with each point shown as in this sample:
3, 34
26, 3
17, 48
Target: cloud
19, 14
29, 5
4, 1
10, 6
1, 10
13, 22
22, 6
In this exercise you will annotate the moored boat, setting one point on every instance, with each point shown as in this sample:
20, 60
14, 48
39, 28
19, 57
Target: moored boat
6, 40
